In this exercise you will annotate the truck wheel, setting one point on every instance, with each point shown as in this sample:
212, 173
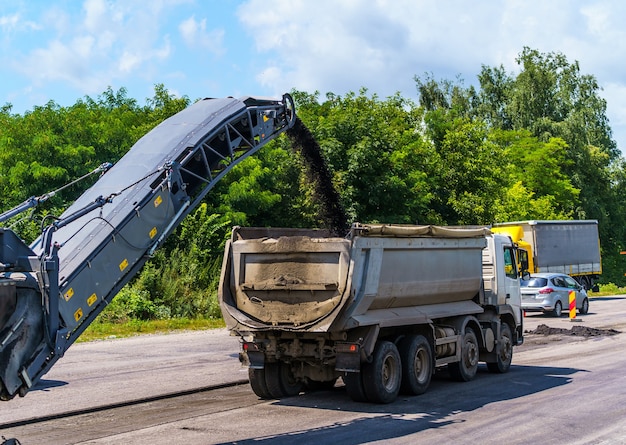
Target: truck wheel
584, 309
354, 386
280, 380
417, 364
505, 351
558, 309
382, 377
465, 369
257, 382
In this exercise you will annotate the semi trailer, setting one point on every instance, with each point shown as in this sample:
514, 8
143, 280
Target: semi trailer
382, 308
569, 247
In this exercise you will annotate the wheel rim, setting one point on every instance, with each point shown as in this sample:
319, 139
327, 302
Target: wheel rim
390, 373
507, 348
558, 309
420, 366
471, 356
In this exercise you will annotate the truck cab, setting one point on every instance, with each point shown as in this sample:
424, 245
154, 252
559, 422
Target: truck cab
501, 277
524, 251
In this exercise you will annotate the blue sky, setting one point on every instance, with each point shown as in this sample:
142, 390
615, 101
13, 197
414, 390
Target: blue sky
62, 50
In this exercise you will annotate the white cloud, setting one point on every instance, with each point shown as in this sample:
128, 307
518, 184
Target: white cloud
105, 42
129, 62
615, 95
342, 46
195, 34
96, 15
8, 22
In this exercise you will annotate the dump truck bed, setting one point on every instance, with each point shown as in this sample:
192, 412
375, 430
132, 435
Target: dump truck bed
307, 280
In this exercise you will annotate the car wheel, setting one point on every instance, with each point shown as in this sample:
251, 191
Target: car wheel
585, 307
558, 309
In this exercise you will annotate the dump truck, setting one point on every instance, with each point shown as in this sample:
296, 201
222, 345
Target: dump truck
382, 308
569, 247
54, 288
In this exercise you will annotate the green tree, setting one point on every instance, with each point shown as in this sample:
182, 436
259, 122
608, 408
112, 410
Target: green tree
375, 152
50, 146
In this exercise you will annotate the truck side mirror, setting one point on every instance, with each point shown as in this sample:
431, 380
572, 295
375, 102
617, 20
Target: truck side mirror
525, 275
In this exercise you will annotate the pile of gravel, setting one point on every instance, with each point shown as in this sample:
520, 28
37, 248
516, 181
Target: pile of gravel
580, 331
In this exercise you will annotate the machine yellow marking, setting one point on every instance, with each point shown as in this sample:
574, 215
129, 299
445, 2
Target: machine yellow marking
153, 232
92, 299
78, 314
123, 265
158, 201
69, 294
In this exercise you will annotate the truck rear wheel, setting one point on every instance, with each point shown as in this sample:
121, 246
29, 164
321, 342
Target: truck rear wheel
505, 351
354, 386
280, 380
382, 377
465, 369
417, 364
257, 382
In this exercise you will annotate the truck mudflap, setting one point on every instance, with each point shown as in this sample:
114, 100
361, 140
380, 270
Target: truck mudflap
348, 358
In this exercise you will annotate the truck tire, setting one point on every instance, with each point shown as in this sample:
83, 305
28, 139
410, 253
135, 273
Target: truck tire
383, 376
417, 364
505, 351
257, 382
465, 369
354, 386
281, 381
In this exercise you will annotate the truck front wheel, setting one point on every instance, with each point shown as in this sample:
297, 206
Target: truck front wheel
465, 369
505, 351
382, 377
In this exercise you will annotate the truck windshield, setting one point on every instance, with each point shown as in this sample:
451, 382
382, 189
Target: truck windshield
534, 282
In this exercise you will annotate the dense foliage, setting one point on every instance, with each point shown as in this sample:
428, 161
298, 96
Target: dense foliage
532, 145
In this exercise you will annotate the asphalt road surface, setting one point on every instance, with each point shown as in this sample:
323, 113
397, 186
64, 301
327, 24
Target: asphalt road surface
189, 388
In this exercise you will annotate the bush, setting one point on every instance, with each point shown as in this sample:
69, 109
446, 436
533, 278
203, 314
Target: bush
133, 304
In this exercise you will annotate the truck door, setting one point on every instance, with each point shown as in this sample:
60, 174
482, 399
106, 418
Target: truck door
522, 257
512, 283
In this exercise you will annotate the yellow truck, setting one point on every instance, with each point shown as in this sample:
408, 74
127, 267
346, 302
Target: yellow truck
569, 247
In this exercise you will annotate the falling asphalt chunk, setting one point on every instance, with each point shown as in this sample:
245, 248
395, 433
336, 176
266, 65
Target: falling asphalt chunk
332, 212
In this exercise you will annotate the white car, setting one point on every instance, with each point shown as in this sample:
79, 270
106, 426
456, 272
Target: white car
549, 293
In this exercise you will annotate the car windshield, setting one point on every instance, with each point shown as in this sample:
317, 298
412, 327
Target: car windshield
535, 282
